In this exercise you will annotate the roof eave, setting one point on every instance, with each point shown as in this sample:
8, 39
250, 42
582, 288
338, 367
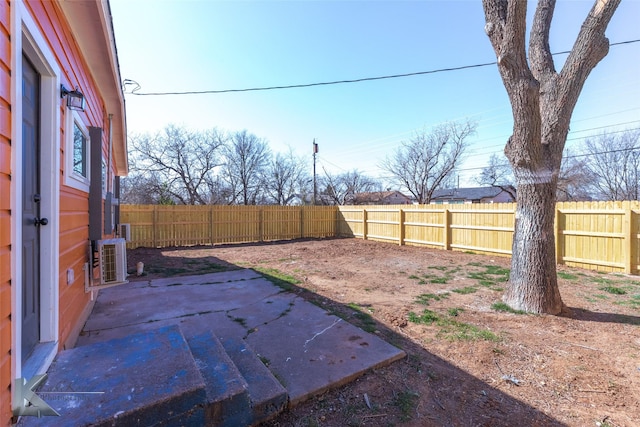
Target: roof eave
92, 27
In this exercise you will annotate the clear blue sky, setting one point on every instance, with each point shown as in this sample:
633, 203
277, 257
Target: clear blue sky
189, 45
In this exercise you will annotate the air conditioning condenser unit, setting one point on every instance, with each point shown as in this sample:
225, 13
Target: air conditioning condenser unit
112, 261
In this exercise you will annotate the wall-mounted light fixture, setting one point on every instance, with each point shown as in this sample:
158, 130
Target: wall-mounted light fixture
75, 98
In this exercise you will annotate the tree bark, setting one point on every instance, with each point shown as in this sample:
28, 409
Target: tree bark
542, 101
533, 284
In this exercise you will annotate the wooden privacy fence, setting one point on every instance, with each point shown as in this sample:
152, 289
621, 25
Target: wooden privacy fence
160, 226
593, 235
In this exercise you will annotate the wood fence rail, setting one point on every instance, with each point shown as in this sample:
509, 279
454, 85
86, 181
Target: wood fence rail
593, 235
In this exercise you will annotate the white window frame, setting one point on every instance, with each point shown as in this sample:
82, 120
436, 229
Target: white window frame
71, 178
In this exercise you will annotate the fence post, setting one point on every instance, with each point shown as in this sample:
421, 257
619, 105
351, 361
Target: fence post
364, 224
628, 240
447, 229
401, 226
301, 222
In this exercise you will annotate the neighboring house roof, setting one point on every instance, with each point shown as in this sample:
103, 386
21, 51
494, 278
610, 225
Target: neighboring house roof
469, 194
378, 196
92, 27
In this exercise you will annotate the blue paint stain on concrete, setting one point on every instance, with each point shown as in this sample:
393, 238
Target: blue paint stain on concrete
145, 379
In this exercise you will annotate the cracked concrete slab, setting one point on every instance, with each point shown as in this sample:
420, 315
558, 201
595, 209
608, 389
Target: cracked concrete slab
307, 349
316, 350
130, 304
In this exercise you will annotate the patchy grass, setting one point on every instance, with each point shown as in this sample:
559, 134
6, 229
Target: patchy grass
465, 290
567, 276
424, 299
282, 280
451, 329
454, 312
366, 321
497, 271
458, 331
406, 401
447, 275
633, 302
491, 276
603, 280
613, 290
505, 308
426, 318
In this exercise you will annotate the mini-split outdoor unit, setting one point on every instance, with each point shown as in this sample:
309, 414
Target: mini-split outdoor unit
112, 261
125, 232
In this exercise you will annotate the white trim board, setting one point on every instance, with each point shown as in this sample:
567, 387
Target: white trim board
28, 39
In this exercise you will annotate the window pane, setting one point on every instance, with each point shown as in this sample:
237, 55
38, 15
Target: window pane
79, 151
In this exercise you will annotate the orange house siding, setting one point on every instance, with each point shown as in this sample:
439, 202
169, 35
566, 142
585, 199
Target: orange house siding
74, 205
73, 302
5, 213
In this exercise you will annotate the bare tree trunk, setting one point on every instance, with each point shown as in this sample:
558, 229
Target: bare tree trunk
542, 101
533, 282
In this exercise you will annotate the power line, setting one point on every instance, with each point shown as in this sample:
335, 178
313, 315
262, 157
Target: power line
134, 91
575, 155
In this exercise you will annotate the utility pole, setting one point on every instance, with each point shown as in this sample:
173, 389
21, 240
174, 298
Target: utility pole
315, 184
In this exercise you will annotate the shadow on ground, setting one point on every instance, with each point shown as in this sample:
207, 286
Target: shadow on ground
594, 316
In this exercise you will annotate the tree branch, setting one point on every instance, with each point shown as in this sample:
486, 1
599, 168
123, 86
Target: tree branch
539, 50
589, 49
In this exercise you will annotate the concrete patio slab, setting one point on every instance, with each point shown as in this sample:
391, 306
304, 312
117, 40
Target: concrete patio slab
255, 315
316, 350
210, 278
130, 304
271, 339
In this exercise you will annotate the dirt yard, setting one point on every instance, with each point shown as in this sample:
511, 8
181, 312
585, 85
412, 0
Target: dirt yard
470, 362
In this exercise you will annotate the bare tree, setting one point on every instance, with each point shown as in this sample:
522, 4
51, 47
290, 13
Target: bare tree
144, 189
247, 158
176, 164
340, 189
575, 180
542, 101
422, 164
498, 174
614, 161
286, 178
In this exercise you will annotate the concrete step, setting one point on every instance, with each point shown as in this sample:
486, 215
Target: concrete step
268, 397
228, 403
143, 379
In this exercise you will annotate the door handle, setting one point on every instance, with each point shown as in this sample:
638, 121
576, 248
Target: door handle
40, 221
